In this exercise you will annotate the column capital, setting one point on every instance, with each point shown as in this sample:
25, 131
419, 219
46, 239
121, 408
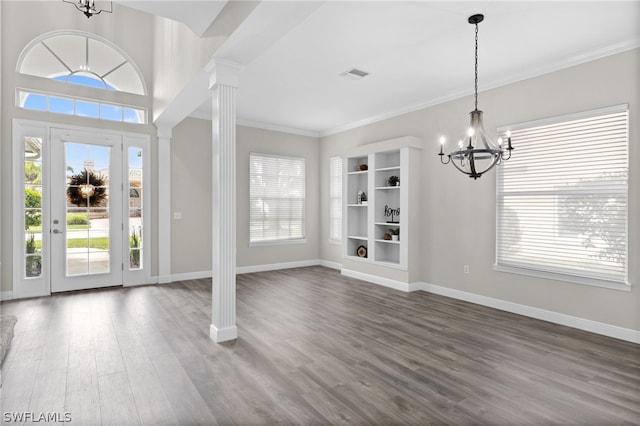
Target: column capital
223, 71
165, 132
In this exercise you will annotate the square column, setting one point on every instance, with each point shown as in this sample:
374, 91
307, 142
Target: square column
164, 204
223, 86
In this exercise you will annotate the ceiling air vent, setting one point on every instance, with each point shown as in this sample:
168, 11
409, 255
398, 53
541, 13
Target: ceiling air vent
354, 74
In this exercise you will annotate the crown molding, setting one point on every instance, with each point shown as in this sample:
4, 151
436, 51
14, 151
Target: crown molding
514, 78
277, 128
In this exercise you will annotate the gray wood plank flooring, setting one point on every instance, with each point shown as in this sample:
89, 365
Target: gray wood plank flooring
314, 348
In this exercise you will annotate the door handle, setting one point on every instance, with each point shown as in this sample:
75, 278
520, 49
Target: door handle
56, 231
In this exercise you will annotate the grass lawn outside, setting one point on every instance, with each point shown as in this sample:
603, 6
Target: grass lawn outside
37, 229
101, 243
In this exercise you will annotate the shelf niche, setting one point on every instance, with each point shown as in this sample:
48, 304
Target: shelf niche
387, 207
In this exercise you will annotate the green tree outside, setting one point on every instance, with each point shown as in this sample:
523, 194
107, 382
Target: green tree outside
33, 205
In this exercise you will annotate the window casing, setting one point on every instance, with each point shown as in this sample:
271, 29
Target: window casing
562, 199
276, 199
335, 200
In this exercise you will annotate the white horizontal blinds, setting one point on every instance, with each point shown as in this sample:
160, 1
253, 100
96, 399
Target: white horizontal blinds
335, 199
277, 194
562, 197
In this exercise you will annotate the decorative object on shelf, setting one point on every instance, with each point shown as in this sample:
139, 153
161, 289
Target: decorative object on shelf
87, 189
362, 198
481, 154
363, 167
391, 212
387, 236
393, 181
88, 7
361, 251
395, 234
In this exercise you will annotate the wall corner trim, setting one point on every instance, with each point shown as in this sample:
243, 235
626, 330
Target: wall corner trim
329, 264
584, 324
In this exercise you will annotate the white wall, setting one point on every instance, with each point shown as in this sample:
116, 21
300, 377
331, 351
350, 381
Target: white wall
459, 213
191, 195
179, 54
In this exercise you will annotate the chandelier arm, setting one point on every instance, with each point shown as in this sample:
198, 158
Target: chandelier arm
460, 168
495, 161
472, 164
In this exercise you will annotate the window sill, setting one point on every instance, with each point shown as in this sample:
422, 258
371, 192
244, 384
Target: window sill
335, 242
612, 285
277, 242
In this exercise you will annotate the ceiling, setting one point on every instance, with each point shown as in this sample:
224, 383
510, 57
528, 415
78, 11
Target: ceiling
418, 53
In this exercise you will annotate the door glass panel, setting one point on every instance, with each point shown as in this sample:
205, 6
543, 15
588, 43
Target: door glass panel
135, 208
87, 216
32, 207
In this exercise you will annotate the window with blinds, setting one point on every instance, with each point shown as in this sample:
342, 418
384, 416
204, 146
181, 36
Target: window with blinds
276, 198
562, 199
335, 199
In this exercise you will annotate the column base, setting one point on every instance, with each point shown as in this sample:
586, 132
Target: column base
224, 334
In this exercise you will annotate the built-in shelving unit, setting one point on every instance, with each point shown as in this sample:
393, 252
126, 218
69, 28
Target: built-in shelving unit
357, 209
387, 183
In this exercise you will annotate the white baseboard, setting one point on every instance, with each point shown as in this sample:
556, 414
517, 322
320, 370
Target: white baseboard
542, 314
329, 264
164, 279
397, 285
241, 270
6, 295
276, 266
191, 276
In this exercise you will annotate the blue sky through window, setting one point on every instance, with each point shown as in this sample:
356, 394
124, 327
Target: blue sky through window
85, 80
87, 109
81, 108
36, 101
80, 156
135, 158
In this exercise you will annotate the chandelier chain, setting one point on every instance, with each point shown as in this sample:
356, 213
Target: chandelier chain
476, 82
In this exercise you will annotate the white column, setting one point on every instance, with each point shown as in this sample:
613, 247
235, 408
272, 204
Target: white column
164, 204
223, 86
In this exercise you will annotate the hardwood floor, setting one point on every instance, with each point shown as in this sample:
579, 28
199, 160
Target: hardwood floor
314, 348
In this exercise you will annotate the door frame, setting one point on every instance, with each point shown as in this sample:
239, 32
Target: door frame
41, 286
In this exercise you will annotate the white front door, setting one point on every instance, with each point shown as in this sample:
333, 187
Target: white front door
86, 220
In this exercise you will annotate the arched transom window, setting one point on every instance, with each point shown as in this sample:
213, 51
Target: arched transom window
81, 58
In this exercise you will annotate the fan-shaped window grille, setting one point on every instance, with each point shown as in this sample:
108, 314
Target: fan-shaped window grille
81, 58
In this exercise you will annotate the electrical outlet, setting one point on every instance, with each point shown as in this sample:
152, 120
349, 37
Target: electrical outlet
177, 215
466, 269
